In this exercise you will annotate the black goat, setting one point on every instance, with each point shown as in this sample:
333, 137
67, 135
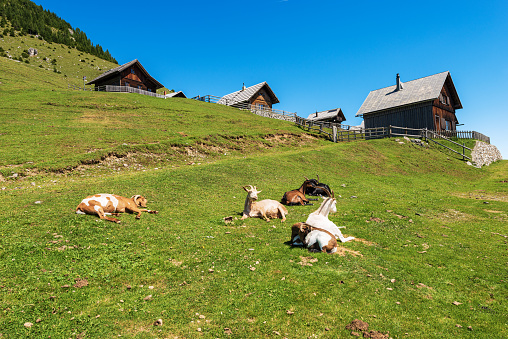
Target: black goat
318, 188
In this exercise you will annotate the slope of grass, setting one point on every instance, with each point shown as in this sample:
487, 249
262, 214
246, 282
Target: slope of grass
424, 244
43, 128
429, 260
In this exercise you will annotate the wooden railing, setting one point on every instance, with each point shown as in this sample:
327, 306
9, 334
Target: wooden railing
127, 89
256, 109
113, 88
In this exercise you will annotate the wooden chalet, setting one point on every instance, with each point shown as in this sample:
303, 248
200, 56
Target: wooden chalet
333, 116
428, 102
131, 74
260, 96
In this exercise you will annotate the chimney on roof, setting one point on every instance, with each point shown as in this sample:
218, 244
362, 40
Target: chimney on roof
243, 87
399, 84
316, 113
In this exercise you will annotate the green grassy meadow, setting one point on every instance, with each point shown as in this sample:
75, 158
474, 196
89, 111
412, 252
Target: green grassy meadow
429, 259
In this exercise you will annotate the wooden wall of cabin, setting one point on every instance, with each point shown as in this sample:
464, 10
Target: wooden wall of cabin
415, 116
112, 81
261, 98
444, 112
133, 77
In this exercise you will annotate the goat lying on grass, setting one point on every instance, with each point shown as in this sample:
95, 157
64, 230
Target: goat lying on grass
314, 238
319, 218
111, 204
297, 197
318, 188
264, 209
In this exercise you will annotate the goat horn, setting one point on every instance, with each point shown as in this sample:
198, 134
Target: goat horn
318, 178
306, 177
327, 191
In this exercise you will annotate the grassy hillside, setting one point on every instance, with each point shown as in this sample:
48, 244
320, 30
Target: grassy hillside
52, 57
429, 259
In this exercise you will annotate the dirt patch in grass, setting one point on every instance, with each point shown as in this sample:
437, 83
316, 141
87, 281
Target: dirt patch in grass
342, 251
366, 242
453, 215
497, 196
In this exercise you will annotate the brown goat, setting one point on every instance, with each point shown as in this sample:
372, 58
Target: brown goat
297, 197
314, 238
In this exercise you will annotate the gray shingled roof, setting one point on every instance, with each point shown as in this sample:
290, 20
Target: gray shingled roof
178, 94
246, 94
414, 91
119, 69
325, 115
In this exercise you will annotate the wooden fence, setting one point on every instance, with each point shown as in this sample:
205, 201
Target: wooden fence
350, 133
119, 89
256, 109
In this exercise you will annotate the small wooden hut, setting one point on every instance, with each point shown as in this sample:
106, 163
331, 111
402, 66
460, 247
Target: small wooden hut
261, 96
131, 74
333, 116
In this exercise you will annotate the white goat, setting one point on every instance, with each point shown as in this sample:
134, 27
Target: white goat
319, 219
264, 209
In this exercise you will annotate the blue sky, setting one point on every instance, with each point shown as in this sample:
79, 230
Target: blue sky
315, 55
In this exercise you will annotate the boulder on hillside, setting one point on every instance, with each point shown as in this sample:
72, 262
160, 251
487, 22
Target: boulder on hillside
32, 52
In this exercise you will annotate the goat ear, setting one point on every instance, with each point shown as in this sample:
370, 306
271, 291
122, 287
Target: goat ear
306, 177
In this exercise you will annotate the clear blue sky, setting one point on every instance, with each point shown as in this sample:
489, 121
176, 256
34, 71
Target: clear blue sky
315, 55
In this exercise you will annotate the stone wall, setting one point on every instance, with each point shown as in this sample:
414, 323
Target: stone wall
485, 154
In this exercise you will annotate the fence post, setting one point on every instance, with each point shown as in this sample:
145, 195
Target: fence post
334, 133
390, 131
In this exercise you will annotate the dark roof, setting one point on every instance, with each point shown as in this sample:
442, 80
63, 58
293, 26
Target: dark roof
178, 94
325, 115
419, 90
115, 71
246, 94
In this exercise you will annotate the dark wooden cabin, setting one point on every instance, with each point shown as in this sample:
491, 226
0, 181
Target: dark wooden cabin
131, 74
428, 102
333, 116
260, 95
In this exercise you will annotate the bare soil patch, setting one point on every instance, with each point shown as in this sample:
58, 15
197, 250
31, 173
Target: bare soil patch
488, 196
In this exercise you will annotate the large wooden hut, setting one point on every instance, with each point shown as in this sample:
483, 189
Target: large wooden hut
131, 74
428, 102
260, 96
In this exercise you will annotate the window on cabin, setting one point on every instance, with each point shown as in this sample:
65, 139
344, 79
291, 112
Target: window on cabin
447, 127
126, 84
149, 89
132, 71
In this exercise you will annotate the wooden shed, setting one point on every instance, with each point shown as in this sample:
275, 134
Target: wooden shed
260, 96
131, 74
332, 116
428, 102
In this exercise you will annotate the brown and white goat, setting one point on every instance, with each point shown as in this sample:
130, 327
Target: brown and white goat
111, 204
297, 197
264, 209
314, 238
